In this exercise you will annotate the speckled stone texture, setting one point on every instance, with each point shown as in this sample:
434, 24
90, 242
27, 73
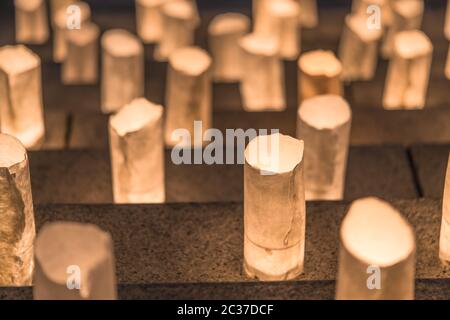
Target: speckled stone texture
430, 164
183, 251
185, 243
426, 289
84, 176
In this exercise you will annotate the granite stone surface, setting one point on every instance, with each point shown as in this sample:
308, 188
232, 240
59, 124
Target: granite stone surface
426, 289
192, 250
84, 176
430, 163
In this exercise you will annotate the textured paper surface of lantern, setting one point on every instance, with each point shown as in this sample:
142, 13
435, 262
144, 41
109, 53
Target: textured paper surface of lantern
447, 35
16, 214
406, 15
122, 69
148, 20
447, 22
188, 95
259, 12
179, 24
444, 244
409, 71
374, 236
319, 73
447, 66
358, 50
323, 123
309, 15
31, 21
262, 87
81, 63
284, 27
137, 153
74, 261
274, 208
61, 29
225, 31
21, 110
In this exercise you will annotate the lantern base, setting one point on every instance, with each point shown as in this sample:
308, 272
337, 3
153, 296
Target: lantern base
272, 265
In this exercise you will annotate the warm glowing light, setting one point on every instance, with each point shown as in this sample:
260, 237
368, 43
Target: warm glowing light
16, 214
137, 153
224, 31
80, 65
444, 244
319, 73
409, 71
323, 123
262, 85
61, 29
274, 208
21, 110
31, 21
188, 94
179, 21
358, 50
122, 69
74, 261
374, 236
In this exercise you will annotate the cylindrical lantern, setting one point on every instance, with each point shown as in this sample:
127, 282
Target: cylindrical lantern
148, 20
74, 261
447, 35
122, 69
358, 50
260, 18
309, 17
31, 21
188, 95
21, 109
406, 15
447, 22
377, 253
274, 208
323, 123
409, 71
16, 214
447, 66
137, 153
284, 27
81, 63
66, 23
225, 31
319, 73
444, 243
262, 87
178, 26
